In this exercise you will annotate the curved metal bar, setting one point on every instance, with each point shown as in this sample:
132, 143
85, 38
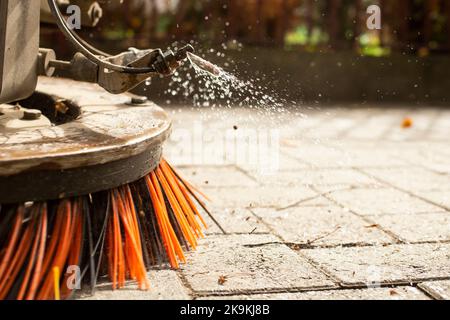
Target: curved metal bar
75, 40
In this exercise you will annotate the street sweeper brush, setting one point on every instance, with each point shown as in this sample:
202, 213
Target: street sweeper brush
85, 192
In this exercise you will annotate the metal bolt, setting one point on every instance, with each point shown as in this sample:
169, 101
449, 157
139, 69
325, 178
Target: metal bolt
31, 115
139, 100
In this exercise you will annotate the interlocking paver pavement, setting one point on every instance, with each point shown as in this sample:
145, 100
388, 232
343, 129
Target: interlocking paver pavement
398, 293
406, 263
249, 263
431, 227
318, 177
259, 197
165, 285
238, 221
370, 201
441, 198
437, 289
350, 201
413, 179
207, 177
321, 226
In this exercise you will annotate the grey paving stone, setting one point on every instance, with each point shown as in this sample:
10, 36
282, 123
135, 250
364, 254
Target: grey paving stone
395, 293
375, 127
165, 285
417, 227
333, 127
180, 156
413, 179
441, 198
341, 155
437, 289
439, 147
285, 163
388, 264
213, 227
422, 120
365, 201
321, 226
427, 157
238, 221
249, 263
318, 201
441, 128
257, 197
320, 155
441, 166
216, 177
372, 157
318, 177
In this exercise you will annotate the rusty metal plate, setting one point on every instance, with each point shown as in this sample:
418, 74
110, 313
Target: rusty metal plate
113, 140
108, 130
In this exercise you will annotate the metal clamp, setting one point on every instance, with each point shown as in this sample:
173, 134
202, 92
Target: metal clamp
83, 69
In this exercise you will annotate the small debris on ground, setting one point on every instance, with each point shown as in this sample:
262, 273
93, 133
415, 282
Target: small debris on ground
222, 280
310, 242
407, 123
392, 292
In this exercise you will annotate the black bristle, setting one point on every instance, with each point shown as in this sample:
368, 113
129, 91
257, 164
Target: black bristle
100, 245
90, 245
155, 246
32, 214
137, 202
7, 215
175, 224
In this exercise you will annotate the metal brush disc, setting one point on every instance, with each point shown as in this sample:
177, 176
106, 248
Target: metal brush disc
97, 141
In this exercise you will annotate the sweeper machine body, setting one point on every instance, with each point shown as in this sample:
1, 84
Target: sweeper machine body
84, 190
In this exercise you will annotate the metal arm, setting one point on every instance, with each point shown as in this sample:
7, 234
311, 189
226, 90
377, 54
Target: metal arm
116, 74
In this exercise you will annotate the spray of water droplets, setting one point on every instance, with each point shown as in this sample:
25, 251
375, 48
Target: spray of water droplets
212, 87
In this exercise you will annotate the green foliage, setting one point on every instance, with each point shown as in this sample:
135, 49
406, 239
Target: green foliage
301, 37
370, 45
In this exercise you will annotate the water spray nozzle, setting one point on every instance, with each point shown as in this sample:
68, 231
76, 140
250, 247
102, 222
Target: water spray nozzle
204, 65
182, 53
168, 62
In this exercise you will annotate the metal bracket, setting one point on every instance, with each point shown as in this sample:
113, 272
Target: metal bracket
83, 69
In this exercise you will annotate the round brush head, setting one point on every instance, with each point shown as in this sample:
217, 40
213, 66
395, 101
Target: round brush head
85, 192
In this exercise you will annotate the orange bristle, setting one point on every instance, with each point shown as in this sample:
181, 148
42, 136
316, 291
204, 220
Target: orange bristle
122, 232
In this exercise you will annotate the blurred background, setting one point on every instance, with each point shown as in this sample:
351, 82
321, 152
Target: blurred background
308, 50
